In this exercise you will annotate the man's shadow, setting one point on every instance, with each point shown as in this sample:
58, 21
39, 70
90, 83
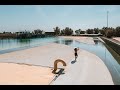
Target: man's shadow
72, 62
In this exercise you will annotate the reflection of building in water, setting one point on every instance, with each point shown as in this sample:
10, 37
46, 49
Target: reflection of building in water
67, 42
56, 42
96, 41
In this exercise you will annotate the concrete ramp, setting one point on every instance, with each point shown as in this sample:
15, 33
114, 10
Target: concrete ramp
87, 70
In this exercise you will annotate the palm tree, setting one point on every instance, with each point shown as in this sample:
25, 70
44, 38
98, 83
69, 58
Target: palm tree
57, 30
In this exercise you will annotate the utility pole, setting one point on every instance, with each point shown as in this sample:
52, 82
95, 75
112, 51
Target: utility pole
107, 22
107, 19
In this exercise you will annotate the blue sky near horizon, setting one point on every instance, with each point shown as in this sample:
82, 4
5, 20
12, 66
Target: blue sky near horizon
46, 17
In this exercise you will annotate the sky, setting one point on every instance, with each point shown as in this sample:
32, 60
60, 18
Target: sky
46, 17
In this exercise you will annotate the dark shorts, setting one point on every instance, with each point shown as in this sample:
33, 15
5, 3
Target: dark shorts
76, 54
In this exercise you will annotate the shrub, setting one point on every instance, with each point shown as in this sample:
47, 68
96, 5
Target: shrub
82, 32
109, 33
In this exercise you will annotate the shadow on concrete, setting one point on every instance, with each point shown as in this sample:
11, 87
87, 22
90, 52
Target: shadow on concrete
60, 71
72, 62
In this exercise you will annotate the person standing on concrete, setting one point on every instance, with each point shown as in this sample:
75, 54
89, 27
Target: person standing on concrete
76, 54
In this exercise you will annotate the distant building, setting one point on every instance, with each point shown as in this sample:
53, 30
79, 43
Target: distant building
23, 34
50, 33
43, 32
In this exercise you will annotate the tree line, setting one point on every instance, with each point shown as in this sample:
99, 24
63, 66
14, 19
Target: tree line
67, 31
105, 31
23, 34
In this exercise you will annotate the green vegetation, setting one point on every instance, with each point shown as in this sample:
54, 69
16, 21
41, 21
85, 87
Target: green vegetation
107, 32
82, 32
67, 31
57, 31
